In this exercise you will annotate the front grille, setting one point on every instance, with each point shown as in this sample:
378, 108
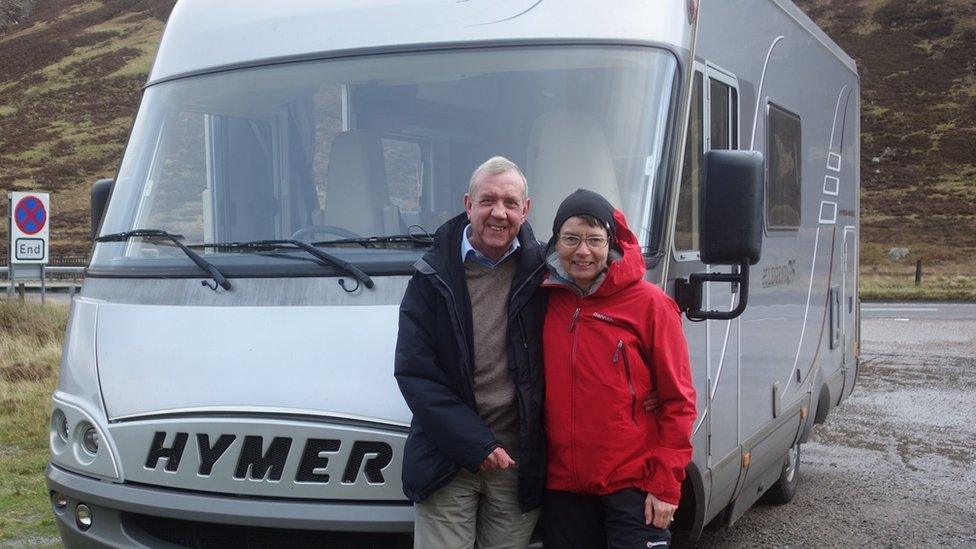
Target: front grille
205, 535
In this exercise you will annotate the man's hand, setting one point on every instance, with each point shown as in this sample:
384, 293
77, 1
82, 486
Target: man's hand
651, 404
658, 512
497, 459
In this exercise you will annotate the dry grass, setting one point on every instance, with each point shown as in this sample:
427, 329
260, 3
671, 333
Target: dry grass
30, 349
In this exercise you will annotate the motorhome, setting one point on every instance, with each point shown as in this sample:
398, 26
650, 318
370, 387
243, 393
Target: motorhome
227, 374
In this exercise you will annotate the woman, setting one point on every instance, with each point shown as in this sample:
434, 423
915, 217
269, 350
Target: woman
611, 339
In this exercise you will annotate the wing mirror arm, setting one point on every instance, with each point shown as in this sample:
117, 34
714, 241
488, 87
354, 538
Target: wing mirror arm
731, 229
688, 293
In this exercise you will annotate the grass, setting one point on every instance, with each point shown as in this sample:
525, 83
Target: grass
901, 287
30, 350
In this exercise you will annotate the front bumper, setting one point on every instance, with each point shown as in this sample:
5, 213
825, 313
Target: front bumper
112, 504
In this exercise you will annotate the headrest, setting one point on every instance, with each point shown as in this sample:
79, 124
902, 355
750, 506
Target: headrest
356, 191
567, 150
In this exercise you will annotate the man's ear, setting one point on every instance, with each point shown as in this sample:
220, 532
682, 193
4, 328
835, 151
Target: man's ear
528, 208
468, 204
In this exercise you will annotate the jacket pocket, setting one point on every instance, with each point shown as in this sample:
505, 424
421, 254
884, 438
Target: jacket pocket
620, 360
425, 468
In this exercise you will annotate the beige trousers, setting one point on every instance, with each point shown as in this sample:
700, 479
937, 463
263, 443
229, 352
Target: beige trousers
475, 511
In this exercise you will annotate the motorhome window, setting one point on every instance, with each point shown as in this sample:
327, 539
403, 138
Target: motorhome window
723, 116
176, 182
720, 115
374, 145
686, 224
783, 164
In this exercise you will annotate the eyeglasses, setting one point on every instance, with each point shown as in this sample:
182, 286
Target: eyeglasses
592, 242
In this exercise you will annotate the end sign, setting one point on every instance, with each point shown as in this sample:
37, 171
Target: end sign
29, 227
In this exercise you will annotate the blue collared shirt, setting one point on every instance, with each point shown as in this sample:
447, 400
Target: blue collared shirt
469, 253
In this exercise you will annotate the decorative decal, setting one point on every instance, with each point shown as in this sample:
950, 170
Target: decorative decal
833, 162
831, 185
828, 213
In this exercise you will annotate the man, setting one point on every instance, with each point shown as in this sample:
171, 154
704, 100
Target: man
468, 362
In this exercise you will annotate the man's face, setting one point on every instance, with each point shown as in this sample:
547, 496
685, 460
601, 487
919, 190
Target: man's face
496, 211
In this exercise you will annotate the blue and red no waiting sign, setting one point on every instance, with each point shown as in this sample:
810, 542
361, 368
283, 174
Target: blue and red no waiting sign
30, 215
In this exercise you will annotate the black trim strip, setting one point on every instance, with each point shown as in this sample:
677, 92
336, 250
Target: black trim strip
288, 416
232, 496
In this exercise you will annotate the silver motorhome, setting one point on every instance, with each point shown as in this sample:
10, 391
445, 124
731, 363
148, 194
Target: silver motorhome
227, 371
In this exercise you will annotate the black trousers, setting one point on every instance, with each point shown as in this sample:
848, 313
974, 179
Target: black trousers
613, 521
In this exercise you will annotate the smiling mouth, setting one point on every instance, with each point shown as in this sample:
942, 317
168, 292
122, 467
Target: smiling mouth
584, 265
497, 229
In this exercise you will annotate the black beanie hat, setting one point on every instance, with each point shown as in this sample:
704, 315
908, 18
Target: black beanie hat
584, 202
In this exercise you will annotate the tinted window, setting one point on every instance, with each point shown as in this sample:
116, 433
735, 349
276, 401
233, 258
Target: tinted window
782, 169
686, 224
719, 111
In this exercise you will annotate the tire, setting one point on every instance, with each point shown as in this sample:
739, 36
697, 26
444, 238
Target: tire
785, 487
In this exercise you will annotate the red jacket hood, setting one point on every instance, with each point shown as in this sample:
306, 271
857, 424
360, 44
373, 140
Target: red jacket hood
630, 268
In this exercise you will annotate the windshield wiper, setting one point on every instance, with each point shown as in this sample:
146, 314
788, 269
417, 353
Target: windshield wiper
323, 257
366, 241
218, 277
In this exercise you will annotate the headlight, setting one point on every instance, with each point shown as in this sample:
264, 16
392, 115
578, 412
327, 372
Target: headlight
79, 443
89, 440
59, 424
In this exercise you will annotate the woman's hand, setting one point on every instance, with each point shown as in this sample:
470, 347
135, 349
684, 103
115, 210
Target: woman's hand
651, 404
658, 513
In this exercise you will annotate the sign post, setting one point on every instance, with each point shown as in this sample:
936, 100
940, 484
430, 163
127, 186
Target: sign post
29, 236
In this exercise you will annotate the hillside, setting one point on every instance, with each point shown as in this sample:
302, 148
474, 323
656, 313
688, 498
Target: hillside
71, 72
917, 60
70, 80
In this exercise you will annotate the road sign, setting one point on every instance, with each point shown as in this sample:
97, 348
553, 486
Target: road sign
29, 227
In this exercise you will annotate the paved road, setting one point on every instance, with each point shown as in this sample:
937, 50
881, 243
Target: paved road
895, 466
906, 312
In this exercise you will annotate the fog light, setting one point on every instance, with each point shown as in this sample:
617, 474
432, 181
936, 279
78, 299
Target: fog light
89, 440
83, 517
59, 500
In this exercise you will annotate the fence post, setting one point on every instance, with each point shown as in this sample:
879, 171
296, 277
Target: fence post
918, 273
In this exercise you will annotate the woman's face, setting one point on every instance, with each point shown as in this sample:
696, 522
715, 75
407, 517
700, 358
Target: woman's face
585, 260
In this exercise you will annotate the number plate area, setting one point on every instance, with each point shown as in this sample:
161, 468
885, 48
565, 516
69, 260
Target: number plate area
265, 458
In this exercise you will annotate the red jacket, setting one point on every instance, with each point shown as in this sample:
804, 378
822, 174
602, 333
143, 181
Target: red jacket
604, 353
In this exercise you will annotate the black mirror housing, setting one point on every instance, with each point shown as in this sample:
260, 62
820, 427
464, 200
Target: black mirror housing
732, 207
101, 190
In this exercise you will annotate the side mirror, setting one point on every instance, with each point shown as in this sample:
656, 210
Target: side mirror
100, 192
731, 228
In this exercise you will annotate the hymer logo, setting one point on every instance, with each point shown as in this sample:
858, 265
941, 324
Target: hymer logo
254, 462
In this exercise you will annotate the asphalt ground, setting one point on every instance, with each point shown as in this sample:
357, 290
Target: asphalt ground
895, 465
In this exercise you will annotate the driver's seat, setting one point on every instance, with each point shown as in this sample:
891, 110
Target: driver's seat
356, 192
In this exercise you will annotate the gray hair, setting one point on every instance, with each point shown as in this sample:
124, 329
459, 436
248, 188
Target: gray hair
496, 165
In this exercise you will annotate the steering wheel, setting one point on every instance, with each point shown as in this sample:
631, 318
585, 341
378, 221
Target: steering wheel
329, 229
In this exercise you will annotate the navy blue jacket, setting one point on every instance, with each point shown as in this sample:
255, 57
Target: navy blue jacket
435, 368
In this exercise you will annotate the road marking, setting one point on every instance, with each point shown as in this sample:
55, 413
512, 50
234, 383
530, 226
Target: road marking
899, 310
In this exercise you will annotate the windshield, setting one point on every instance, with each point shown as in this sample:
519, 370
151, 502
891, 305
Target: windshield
383, 145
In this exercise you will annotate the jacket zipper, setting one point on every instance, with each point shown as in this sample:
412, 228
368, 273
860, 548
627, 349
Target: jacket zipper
630, 383
572, 422
523, 409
